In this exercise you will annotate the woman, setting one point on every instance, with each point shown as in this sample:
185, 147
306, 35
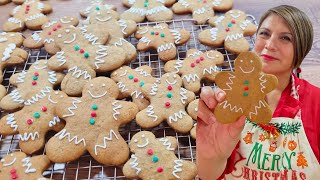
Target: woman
288, 147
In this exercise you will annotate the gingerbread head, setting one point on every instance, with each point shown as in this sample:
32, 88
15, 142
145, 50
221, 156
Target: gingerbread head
245, 89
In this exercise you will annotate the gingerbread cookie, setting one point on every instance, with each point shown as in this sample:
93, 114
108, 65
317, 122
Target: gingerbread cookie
193, 112
245, 89
130, 82
118, 29
3, 2
195, 67
82, 56
31, 86
34, 121
18, 166
167, 102
3, 91
30, 14
45, 37
152, 10
201, 10
161, 38
229, 30
92, 124
154, 158
10, 53
98, 5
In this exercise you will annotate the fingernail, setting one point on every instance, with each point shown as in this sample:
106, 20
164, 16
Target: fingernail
212, 120
220, 95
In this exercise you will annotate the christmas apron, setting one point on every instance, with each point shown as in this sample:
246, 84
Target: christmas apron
279, 150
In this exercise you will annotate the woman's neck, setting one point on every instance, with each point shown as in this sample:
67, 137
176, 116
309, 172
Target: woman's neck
283, 81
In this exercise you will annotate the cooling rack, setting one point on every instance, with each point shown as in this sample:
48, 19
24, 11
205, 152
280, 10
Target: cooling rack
86, 167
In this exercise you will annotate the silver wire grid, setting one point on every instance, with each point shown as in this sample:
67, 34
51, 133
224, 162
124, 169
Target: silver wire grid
86, 167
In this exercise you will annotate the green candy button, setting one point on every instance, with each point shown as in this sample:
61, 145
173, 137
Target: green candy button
155, 159
36, 115
92, 121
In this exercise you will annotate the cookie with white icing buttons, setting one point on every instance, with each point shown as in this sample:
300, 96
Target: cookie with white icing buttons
152, 10
18, 165
10, 53
92, 124
229, 30
195, 67
118, 29
154, 158
130, 82
99, 5
82, 56
201, 10
32, 122
45, 37
168, 101
161, 38
30, 14
245, 89
31, 85
193, 112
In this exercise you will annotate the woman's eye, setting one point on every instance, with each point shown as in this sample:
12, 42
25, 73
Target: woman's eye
263, 33
286, 38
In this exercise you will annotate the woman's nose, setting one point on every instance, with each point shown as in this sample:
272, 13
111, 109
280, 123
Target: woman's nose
271, 44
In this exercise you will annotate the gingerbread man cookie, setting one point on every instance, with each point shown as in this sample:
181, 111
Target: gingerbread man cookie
229, 30
92, 124
34, 121
245, 89
31, 86
161, 38
130, 82
30, 14
201, 10
154, 158
152, 10
196, 67
3, 91
45, 37
3, 2
18, 166
98, 5
168, 102
118, 29
82, 56
193, 112
10, 53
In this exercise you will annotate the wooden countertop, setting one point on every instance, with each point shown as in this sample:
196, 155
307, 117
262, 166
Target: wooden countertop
310, 66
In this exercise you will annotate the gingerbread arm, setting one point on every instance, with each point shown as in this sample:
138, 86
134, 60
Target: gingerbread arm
201, 14
46, 8
173, 66
150, 89
268, 83
8, 125
66, 108
132, 168
223, 5
18, 78
181, 37
248, 28
216, 20
36, 40
127, 3
123, 111
225, 80
169, 143
58, 62
41, 162
169, 2
180, 8
128, 27
186, 96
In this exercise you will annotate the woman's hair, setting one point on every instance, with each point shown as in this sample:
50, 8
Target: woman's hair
301, 27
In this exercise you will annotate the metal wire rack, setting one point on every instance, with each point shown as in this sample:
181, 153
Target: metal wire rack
86, 167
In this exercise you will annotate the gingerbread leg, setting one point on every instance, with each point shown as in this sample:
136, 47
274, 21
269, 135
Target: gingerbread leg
260, 112
229, 111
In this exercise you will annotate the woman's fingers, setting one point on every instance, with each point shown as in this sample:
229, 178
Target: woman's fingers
236, 128
205, 114
210, 97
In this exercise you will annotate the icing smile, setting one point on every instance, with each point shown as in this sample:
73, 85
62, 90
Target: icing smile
171, 83
246, 72
10, 163
66, 21
142, 145
97, 96
74, 38
235, 16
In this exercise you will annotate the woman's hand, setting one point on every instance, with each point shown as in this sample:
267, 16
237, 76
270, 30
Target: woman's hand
215, 141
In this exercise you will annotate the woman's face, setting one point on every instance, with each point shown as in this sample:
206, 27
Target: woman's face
274, 44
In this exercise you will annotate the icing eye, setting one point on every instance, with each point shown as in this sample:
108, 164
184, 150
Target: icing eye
65, 17
217, 55
2, 160
91, 85
143, 135
56, 93
241, 60
71, 19
251, 61
196, 109
59, 35
11, 155
175, 76
121, 68
37, 62
67, 30
45, 62
135, 140
11, 35
98, 13
103, 85
61, 96
168, 75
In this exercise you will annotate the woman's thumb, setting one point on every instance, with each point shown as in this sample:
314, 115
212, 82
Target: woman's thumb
237, 127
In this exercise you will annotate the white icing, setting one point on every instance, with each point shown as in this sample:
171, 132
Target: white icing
101, 52
232, 37
61, 58
245, 24
189, 77
137, 94
36, 37
15, 20
145, 144
103, 20
176, 116
123, 24
65, 21
50, 24
40, 6
16, 9
151, 113
10, 163
12, 122
52, 77
33, 17
97, 96
91, 38
105, 139
263, 80
217, 2
77, 73
8, 51
72, 40
210, 70
219, 20
139, 11
122, 86
159, 26
171, 83
229, 84
211, 56
165, 47
28, 165
27, 136
247, 72
154, 89
200, 11
3, 40
120, 43
225, 105
125, 73
142, 72
48, 40
131, 1
194, 54
37, 97
177, 168
167, 143
41, 67
143, 30
63, 133
259, 106
235, 15
184, 3
54, 122
178, 65
183, 94
16, 96
115, 109
21, 77
134, 164
214, 33
145, 40
157, 9
73, 107
177, 36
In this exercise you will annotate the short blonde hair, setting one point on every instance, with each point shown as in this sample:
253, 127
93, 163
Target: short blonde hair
301, 27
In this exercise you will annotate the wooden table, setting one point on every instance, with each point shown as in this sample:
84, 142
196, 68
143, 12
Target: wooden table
255, 7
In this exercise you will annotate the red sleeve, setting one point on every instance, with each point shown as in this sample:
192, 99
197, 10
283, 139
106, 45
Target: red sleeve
230, 163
